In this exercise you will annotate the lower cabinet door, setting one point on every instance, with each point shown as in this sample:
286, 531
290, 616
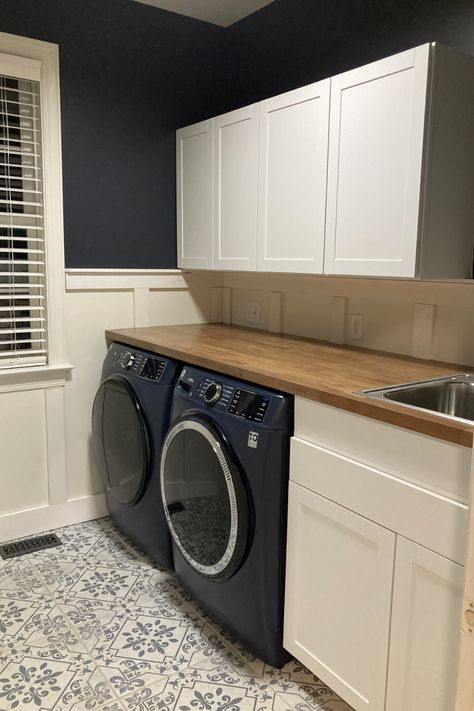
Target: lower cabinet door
338, 597
424, 642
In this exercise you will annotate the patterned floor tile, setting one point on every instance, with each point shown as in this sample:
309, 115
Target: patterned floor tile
19, 580
53, 679
95, 625
214, 697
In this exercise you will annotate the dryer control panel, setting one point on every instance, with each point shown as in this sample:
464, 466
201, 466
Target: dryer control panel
137, 362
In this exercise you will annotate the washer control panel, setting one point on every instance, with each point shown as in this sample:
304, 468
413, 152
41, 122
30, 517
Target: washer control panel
238, 402
126, 360
212, 393
249, 405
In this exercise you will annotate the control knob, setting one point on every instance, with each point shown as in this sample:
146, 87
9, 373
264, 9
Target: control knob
127, 359
212, 393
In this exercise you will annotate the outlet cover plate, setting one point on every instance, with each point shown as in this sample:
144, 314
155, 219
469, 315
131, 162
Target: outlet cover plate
253, 313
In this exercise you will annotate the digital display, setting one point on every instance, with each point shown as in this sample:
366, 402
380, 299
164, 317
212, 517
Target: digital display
248, 405
152, 368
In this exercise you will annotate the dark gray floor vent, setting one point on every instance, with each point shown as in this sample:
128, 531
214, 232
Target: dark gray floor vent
29, 545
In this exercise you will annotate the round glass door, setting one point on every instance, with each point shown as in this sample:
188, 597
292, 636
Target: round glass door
204, 498
121, 442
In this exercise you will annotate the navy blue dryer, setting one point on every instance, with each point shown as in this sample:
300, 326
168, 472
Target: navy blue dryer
130, 418
224, 481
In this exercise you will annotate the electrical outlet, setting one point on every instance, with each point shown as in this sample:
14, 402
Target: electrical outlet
357, 326
253, 312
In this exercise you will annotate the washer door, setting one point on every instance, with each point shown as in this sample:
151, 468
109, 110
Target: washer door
121, 441
204, 497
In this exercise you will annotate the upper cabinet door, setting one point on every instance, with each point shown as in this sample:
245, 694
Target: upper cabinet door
194, 148
375, 166
235, 189
294, 131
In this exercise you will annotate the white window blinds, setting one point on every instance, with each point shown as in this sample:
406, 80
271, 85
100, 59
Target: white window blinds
23, 323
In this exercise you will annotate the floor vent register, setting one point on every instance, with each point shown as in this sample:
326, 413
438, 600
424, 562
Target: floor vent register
29, 545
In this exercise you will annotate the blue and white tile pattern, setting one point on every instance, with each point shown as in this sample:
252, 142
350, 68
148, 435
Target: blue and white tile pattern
94, 625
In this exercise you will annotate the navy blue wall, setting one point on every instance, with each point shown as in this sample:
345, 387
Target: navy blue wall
290, 43
130, 74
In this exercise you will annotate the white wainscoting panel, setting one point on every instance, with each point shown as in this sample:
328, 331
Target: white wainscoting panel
89, 314
56, 444
172, 307
387, 305
23, 452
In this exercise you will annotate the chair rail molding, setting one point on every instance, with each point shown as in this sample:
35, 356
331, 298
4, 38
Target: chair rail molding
84, 279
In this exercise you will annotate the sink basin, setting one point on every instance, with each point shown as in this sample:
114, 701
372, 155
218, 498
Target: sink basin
451, 396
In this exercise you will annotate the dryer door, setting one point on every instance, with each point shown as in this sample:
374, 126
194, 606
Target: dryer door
204, 497
121, 441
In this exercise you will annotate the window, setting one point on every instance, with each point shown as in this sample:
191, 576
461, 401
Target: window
31, 229
23, 335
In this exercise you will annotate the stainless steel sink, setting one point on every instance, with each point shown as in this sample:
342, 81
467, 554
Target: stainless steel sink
451, 396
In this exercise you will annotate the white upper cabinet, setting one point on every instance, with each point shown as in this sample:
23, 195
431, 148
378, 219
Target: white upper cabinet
236, 182
368, 173
400, 178
194, 166
375, 166
292, 180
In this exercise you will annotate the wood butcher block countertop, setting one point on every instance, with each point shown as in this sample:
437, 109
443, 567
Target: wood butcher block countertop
316, 370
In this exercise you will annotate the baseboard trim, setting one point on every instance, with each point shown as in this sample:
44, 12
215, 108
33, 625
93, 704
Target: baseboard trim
45, 518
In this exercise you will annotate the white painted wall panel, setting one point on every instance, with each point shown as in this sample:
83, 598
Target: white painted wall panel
171, 307
88, 315
387, 305
454, 335
23, 454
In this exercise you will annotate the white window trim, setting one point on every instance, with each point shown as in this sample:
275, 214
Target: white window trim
48, 54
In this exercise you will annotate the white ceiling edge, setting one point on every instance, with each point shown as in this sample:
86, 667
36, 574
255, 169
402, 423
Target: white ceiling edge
218, 12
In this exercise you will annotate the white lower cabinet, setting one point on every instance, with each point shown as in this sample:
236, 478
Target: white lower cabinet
338, 596
373, 592
345, 600
424, 640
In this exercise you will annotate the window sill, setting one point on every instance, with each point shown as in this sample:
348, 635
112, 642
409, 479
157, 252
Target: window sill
42, 376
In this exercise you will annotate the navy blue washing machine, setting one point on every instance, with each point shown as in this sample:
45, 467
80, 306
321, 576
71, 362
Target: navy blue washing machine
224, 483
130, 417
